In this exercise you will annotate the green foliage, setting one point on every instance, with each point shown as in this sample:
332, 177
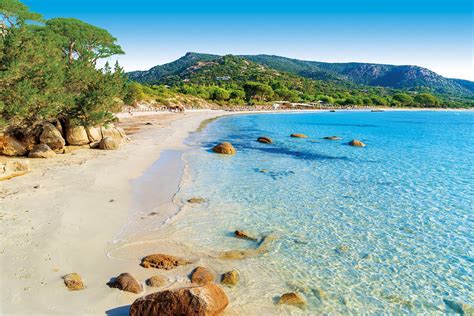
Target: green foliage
257, 91
426, 99
38, 80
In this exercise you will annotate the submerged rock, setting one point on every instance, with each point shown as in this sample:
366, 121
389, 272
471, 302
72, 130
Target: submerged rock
156, 281
459, 307
201, 300
126, 282
294, 299
196, 200
244, 235
332, 138
342, 248
296, 135
319, 293
224, 148
356, 143
202, 276
162, 261
10, 169
41, 151
262, 248
108, 143
230, 278
264, 140
73, 282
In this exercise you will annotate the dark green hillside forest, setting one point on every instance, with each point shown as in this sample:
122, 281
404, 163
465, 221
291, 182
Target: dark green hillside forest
48, 70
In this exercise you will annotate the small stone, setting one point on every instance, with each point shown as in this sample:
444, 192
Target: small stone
148, 123
202, 276
342, 248
73, 281
294, 299
162, 261
126, 282
264, 140
41, 151
244, 235
230, 278
296, 135
224, 148
356, 143
320, 294
156, 281
196, 200
332, 138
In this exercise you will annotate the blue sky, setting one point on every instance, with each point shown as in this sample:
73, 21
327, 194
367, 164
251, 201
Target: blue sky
433, 34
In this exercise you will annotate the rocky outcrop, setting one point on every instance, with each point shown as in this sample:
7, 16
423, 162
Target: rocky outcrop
162, 261
94, 134
10, 146
11, 169
244, 235
356, 143
332, 138
41, 151
296, 135
202, 276
73, 282
294, 299
224, 148
264, 140
156, 281
52, 137
108, 143
126, 282
208, 300
230, 278
76, 135
116, 133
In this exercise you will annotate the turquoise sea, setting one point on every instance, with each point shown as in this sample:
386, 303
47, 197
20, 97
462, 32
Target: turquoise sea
388, 228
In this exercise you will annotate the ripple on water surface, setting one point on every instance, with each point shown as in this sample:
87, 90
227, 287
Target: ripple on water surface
385, 228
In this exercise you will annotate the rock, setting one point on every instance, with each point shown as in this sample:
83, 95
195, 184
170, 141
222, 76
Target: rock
196, 200
244, 235
459, 307
299, 135
10, 146
356, 143
224, 148
208, 300
108, 143
94, 134
161, 261
262, 248
148, 123
202, 276
320, 294
116, 133
73, 281
10, 169
126, 282
230, 278
41, 151
156, 281
76, 135
332, 138
265, 140
294, 299
342, 248
52, 137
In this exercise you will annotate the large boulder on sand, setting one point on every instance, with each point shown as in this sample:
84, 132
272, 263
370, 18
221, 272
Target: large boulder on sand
156, 281
202, 276
126, 282
356, 143
162, 261
116, 133
10, 146
41, 151
76, 135
202, 300
73, 282
52, 137
108, 143
296, 135
10, 169
224, 148
94, 134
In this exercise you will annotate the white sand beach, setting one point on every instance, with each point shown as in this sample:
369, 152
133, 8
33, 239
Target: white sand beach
63, 216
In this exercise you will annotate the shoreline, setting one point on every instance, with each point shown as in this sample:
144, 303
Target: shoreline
65, 236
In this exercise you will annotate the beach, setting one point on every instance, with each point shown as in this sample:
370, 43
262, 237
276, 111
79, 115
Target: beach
64, 216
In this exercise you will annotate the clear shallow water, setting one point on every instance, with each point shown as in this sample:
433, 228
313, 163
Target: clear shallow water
400, 208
